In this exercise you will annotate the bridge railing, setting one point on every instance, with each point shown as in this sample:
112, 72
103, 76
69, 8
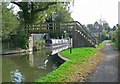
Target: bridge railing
60, 27
87, 32
76, 26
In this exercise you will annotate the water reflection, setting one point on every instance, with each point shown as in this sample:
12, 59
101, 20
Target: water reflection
55, 66
29, 67
44, 65
31, 61
17, 76
39, 59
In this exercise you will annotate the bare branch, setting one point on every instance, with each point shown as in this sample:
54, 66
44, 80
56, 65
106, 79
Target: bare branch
18, 4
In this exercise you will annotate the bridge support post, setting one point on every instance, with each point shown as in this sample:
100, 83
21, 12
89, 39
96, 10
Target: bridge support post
31, 42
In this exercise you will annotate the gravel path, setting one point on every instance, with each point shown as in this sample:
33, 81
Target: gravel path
107, 71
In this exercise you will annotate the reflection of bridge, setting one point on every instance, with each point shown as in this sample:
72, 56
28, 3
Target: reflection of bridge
42, 56
81, 36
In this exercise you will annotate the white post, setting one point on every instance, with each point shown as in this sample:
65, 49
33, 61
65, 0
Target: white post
31, 42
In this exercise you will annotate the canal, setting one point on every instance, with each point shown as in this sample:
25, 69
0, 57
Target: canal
29, 67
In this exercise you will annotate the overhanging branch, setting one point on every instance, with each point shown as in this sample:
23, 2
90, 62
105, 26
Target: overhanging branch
18, 4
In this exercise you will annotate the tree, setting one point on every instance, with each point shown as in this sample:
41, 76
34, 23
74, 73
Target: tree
30, 9
96, 24
106, 26
9, 22
115, 35
118, 37
90, 26
114, 28
60, 15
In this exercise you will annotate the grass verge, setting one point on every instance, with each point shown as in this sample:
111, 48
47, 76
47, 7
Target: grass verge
75, 65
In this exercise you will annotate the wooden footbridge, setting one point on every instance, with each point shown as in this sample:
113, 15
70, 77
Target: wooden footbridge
81, 36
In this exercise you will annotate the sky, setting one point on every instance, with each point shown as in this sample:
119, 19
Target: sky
89, 11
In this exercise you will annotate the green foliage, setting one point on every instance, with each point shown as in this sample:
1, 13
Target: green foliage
26, 14
90, 26
118, 38
9, 21
35, 12
20, 39
78, 56
106, 26
39, 44
101, 45
62, 15
100, 30
115, 36
104, 35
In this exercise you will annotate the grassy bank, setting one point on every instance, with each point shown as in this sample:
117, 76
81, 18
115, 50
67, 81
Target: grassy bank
77, 58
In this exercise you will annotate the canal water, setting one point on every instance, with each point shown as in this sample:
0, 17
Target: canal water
28, 67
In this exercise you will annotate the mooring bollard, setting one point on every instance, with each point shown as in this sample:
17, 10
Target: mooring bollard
70, 50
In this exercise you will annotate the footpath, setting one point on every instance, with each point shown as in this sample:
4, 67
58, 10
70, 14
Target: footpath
107, 71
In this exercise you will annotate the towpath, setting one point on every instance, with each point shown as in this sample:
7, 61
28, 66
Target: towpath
107, 71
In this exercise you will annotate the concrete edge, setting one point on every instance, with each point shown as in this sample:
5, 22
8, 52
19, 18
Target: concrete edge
15, 52
62, 58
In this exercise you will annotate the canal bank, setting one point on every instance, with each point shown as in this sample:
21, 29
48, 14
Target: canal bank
61, 58
77, 66
8, 52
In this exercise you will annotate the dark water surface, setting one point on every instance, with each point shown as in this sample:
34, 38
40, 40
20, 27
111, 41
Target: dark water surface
28, 67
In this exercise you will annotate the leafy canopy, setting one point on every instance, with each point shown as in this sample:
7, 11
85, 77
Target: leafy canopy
9, 21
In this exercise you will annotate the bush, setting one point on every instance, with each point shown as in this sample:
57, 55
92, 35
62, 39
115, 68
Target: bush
118, 38
39, 44
20, 39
